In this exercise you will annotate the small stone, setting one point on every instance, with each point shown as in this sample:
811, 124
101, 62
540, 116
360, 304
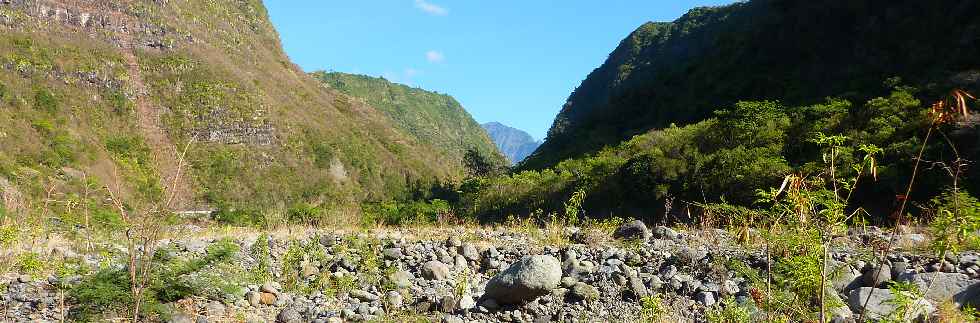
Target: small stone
268, 298
459, 262
181, 318
663, 232
289, 315
453, 242
435, 270
270, 287
877, 274
705, 298
254, 298
402, 279
363, 295
466, 302
451, 319
632, 231
568, 282
636, 286
394, 299
583, 291
470, 253
215, 309
308, 270
490, 304
393, 253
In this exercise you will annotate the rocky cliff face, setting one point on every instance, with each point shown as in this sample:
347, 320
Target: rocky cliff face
129, 94
791, 51
512, 142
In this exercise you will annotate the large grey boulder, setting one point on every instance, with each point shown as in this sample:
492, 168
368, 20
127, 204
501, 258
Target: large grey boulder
940, 287
883, 305
843, 277
632, 231
525, 280
877, 276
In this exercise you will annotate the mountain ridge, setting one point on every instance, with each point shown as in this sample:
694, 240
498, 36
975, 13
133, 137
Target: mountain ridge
666, 73
434, 119
514, 143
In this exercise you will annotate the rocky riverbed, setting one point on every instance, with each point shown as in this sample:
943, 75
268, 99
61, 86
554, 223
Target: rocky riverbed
500, 275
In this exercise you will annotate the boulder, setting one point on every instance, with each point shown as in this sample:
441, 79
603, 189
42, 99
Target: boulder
435, 270
877, 274
469, 252
843, 277
635, 230
882, 304
526, 279
940, 287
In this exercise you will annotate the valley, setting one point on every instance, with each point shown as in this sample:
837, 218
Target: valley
764, 160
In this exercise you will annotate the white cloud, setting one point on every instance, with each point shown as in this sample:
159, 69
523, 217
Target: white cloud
434, 56
431, 8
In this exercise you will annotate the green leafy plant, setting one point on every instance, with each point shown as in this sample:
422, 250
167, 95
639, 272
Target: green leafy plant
652, 309
727, 311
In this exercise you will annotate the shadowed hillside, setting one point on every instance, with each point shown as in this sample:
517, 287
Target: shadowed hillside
797, 52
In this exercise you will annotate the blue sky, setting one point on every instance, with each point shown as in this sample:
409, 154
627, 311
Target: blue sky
512, 61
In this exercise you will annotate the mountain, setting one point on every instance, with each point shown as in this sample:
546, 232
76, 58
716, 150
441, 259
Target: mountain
512, 142
434, 120
798, 52
127, 95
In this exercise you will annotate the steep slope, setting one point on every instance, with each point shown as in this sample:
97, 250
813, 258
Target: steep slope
512, 142
794, 51
110, 93
435, 120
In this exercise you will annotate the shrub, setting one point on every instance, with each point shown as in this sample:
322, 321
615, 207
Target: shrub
402, 213
171, 279
45, 101
956, 221
30, 263
106, 291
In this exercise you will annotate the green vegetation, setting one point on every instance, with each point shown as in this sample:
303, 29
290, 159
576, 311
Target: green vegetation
744, 149
108, 290
681, 72
435, 120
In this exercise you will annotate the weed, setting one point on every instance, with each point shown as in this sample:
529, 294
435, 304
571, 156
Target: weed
727, 311
652, 309
260, 252
907, 300
31, 263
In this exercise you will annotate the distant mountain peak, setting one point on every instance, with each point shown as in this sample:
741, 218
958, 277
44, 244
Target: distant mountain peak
516, 144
